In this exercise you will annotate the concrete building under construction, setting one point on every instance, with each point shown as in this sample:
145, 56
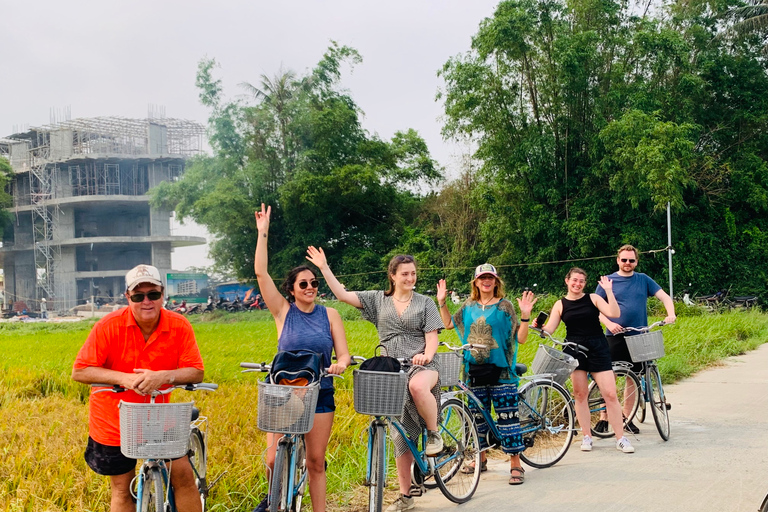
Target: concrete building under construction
81, 216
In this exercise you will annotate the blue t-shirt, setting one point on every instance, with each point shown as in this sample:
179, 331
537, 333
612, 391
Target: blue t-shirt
632, 295
308, 331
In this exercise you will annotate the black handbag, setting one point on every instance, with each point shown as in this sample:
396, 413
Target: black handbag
484, 374
381, 364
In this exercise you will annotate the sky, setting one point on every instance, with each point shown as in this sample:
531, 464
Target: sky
97, 58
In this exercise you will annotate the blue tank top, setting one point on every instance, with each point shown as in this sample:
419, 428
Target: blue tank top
308, 331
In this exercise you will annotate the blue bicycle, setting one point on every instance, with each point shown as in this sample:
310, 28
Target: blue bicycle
158, 432
382, 395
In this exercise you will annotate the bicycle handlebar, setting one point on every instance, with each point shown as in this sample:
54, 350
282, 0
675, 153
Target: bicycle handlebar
265, 367
467, 346
645, 329
117, 388
565, 343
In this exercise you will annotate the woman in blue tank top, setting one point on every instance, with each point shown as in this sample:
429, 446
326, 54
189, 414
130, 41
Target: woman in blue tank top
303, 325
580, 312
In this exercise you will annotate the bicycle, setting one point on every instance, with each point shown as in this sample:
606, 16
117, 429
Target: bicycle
382, 395
157, 432
290, 411
644, 348
545, 406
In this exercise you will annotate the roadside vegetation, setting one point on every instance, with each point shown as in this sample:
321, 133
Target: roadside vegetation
43, 426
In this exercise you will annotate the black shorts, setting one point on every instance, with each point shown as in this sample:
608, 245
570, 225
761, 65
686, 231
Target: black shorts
325, 401
620, 352
597, 358
108, 460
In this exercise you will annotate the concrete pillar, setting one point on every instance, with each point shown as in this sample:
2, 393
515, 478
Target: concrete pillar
161, 257
64, 281
64, 229
25, 277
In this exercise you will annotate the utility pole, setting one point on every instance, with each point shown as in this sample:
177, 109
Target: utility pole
670, 250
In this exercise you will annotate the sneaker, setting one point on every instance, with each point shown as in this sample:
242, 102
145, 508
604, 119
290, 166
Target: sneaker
624, 445
601, 426
402, 503
586, 444
263, 506
434, 443
631, 428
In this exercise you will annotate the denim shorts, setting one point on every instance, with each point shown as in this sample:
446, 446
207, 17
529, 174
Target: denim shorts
325, 401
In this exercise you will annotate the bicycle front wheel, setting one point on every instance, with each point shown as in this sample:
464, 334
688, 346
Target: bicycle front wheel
547, 422
377, 468
461, 449
299, 474
627, 391
198, 461
279, 481
658, 400
152, 494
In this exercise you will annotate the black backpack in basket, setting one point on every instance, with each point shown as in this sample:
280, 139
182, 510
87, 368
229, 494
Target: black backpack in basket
297, 368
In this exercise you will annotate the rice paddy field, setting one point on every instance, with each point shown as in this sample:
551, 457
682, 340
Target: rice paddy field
43, 413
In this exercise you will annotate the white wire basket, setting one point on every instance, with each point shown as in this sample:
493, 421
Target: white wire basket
647, 346
154, 431
551, 360
379, 393
450, 368
287, 409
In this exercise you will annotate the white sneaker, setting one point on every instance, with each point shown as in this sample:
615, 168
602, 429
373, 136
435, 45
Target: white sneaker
586, 444
434, 443
624, 445
402, 503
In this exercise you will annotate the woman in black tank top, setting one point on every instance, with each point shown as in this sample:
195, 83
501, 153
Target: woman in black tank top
580, 313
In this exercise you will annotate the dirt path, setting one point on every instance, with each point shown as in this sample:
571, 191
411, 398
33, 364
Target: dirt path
716, 458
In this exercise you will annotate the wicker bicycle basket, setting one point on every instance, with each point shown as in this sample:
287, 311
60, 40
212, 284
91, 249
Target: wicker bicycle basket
551, 360
154, 431
647, 346
379, 393
450, 368
287, 409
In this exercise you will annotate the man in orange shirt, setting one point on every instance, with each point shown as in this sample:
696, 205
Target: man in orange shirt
142, 347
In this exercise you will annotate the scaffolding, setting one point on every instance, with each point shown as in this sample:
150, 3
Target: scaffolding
87, 157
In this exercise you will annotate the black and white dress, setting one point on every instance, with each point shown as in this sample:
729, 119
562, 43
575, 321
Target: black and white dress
403, 336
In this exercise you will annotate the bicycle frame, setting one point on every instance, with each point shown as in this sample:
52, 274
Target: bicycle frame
148, 466
293, 488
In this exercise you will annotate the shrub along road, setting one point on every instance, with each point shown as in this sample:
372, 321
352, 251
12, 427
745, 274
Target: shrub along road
716, 458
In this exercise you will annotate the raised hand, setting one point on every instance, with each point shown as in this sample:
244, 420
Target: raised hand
317, 257
526, 302
442, 291
606, 283
262, 218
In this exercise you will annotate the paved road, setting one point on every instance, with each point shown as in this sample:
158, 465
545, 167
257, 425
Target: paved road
716, 458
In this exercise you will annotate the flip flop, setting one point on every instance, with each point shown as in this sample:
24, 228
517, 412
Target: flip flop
517, 480
470, 468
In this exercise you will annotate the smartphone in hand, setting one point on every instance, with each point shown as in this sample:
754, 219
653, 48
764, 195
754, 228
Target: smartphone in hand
541, 319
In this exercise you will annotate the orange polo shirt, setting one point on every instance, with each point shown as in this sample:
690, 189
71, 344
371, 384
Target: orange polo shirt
116, 343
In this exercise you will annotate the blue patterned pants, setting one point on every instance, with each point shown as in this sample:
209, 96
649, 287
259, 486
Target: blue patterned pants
504, 399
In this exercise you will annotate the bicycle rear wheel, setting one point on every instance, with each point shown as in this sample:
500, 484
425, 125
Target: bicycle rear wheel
627, 391
152, 494
461, 448
658, 400
198, 459
299, 474
279, 481
547, 421
377, 468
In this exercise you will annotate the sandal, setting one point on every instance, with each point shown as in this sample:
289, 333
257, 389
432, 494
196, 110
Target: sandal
470, 468
516, 480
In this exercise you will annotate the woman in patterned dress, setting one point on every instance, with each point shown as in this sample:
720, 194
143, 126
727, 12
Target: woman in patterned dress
488, 319
408, 324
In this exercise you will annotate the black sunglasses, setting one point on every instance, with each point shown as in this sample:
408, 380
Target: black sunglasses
625, 260
313, 283
139, 297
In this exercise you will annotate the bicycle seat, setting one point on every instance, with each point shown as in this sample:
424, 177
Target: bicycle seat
520, 369
195, 413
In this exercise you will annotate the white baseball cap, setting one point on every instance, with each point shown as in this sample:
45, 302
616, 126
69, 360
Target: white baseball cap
142, 274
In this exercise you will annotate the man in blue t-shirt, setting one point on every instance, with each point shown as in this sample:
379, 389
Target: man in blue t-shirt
632, 290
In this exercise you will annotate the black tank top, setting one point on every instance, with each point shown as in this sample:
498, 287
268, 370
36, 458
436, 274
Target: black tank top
581, 318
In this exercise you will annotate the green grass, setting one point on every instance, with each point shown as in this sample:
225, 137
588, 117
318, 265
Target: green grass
43, 427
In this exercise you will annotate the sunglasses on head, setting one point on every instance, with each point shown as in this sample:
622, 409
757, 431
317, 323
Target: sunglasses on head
625, 260
313, 283
139, 297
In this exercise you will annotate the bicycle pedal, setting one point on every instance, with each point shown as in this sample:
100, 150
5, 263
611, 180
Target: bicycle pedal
668, 406
416, 490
